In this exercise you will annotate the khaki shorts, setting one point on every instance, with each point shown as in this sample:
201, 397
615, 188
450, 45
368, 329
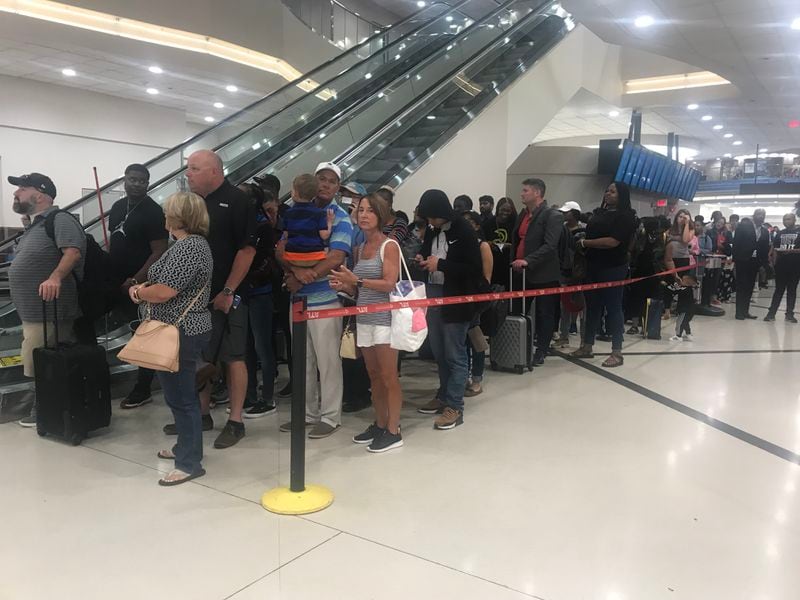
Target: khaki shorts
33, 337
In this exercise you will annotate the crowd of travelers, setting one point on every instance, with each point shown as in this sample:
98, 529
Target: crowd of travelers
224, 263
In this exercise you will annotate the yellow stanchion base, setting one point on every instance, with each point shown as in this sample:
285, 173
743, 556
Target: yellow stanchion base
283, 501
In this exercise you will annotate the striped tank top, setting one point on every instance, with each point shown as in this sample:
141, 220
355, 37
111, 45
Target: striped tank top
371, 268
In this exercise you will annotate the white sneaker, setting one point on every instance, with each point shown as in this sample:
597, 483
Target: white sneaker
687, 337
676, 338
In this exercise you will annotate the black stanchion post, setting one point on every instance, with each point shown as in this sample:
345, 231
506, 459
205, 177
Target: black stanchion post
297, 467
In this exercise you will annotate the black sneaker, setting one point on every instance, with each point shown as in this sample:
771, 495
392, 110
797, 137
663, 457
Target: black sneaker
386, 441
139, 396
791, 319
219, 393
371, 432
770, 317
260, 409
230, 435
208, 425
538, 359
286, 392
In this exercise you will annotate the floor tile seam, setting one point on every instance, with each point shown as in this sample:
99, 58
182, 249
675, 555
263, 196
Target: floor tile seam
422, 558
721, 426
281, 566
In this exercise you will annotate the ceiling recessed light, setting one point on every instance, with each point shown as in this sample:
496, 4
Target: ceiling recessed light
718, 127
421, 4
728, 135
738, 143
431, 117
706, 118
448, 18
209, 119
219, 105
693, 107
152, 91
156, 70
68, 72
728, 155
613, 113
368, 76
644, 21
796, 23
231, 88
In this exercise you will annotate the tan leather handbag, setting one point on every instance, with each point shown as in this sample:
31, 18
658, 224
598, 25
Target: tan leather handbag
156, 345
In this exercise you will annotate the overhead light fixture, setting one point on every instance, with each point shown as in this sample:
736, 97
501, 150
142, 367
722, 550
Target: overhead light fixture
738, 143
231, 88
683, 81
152, 91
101, 22
155, 70
728, 155
68, 72
644, 21
718, 127
693, 107
728, 135
219, 105
209, 119
368, 76
421, 4
706, 118
796, 24
613, 114
448, 18
431, 117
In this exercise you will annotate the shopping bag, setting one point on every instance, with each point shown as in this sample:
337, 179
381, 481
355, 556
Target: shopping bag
409, 325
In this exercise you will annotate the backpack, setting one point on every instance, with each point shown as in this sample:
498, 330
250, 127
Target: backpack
566, 250
96, 288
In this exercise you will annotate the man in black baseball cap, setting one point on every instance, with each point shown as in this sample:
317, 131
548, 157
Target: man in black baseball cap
41, 183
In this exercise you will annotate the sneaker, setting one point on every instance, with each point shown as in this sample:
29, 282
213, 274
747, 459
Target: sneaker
687, 337
603, 337
561, 342
573, 329
230, 435
139, 396
633, 330
287, 427
385, 441
369, 434
791, 319
473, 390
538, 359
260, 409
769, 318
676, 338
434, 407
208, 425
716, 303
286, 392
321, 430
450, 419
29, 421
219, 393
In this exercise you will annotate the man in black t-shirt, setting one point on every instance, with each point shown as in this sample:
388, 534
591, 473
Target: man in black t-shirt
785, 255
138, 239
231, 235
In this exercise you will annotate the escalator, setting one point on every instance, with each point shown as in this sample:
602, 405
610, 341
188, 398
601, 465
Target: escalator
380, 117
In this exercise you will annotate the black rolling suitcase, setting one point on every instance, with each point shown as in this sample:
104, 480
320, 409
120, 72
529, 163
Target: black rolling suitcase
73, 388
512, 348
652, 319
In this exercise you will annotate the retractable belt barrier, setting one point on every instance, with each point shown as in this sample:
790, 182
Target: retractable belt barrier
300, 315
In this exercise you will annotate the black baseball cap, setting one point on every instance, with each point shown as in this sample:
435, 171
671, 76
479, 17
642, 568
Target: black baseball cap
35, 180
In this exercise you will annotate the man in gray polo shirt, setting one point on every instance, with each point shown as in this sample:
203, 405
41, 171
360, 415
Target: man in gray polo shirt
42, 268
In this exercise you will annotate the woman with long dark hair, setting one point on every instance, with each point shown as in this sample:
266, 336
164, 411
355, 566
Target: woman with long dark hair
607, 243
676, 252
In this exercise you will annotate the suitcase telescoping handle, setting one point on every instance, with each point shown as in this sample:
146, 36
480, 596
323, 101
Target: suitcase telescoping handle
55, 320
511, 289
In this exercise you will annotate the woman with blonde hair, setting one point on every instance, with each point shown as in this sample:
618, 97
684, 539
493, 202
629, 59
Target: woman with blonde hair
177, 292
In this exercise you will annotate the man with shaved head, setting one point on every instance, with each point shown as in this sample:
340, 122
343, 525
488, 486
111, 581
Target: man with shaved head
231, 237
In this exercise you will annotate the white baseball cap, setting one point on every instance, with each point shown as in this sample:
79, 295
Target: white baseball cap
568, 206
329, 166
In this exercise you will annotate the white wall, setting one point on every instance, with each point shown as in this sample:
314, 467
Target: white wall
475, 162
63, 132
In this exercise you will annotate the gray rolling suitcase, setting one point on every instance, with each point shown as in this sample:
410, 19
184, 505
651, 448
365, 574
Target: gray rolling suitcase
511, 349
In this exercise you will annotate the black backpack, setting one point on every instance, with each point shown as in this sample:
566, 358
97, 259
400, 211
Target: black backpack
95, 290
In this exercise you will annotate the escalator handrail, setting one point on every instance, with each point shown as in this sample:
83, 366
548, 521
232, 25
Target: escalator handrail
438, 85
187, 142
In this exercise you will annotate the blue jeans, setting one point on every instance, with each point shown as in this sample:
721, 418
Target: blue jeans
608, 300
449, 347
260, 309
181, 396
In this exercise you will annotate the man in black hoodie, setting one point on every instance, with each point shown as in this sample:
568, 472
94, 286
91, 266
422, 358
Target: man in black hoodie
451, 255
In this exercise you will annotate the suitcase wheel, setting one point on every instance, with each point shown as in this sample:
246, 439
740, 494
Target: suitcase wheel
76, 439
41, 432
519, 369
493, 365
530, 368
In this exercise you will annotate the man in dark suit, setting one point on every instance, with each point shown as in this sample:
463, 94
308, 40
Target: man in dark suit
535, 250
750, 252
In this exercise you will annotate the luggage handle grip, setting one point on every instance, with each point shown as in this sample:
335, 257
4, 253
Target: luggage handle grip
55, 320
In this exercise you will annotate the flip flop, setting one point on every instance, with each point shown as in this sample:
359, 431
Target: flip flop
166, 454
168, 483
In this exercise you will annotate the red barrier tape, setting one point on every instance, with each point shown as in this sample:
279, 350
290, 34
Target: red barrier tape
330, 313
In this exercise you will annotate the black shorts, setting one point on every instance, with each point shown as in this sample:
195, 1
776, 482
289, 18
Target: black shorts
228, 336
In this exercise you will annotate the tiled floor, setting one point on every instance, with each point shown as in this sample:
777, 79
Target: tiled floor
562, 484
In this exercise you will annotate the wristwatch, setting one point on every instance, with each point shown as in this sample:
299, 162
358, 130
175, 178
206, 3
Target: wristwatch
227, 291
360, 282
